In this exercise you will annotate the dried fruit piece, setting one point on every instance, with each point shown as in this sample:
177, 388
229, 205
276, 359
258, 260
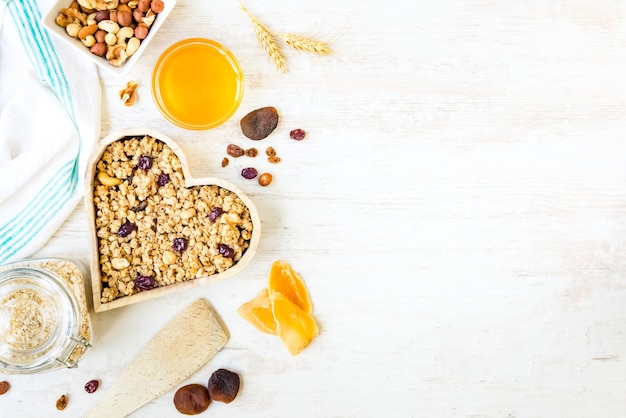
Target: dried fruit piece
235, 151
270, 151
259, 123
223, 385
249, 173
273, 160
141, 206
144, 282
92, 386
258, 312
61, 402
192, 399
180, 244
145, 162
215, 213
225, 162
297, 134
4, 387
283, 279
128, 94
226, 251
252, 152
265, 179
126, 229
295, 327
163, 179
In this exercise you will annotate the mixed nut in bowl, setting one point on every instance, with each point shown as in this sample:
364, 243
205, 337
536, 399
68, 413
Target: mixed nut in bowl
153, 228
111, 33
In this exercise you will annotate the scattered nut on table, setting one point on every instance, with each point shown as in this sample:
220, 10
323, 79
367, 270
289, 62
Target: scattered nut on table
128, 94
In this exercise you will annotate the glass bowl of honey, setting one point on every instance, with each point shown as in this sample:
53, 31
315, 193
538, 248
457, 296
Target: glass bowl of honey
197, 84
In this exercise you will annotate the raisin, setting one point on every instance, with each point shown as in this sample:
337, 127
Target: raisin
226, 251
259, 123
179, 244
252, 152
225, 162
273, 159
215, 213
144, 282
163, 179
297, 134
270, 151
92, 386
234, 151
126, 229
61, 402
223, 385
145, 162
249, 173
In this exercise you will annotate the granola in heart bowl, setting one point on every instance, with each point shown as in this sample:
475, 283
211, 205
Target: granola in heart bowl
155, 229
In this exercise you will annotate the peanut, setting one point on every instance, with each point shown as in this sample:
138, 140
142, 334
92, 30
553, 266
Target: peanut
141, 31
157, 6
99, 49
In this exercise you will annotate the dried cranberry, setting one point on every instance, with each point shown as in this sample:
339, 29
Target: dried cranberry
144, 282
179, 244
91, 386
297, 134
249, 173
145, 162
126, 229
226, 251
215, 213
163, 179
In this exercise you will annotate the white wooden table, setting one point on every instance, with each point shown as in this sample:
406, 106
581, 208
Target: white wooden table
457, 210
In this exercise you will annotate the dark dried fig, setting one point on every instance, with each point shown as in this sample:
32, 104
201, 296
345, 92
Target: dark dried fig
259, 123
223, 385
192, 399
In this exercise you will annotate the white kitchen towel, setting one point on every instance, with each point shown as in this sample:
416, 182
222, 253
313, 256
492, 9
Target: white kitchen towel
49, 123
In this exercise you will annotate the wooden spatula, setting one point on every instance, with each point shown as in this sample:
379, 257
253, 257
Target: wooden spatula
184, 345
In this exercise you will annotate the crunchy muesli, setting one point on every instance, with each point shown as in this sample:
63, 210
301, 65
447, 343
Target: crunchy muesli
153, 231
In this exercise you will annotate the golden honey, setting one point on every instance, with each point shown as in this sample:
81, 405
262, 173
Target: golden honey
197, 84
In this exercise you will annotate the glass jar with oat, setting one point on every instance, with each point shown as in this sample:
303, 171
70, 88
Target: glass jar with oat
44, 318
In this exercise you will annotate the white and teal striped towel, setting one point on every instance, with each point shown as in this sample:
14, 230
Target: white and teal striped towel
49, 123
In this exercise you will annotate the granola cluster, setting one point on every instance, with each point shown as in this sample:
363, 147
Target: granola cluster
153, 231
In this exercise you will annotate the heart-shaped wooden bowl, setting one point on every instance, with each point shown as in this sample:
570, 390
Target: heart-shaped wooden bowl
143, 250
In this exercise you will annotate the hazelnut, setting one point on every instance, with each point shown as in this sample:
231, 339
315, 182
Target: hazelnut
192, 399
4, 387
141, 31
223, 385
99, 49
265, 179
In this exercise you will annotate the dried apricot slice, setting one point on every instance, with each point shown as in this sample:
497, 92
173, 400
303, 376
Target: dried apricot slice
284, 280
295, 327
258, 312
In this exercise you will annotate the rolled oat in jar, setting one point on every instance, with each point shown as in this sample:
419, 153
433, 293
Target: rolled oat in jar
44, 317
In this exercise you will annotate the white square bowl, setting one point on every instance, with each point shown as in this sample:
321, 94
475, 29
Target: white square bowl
49, 22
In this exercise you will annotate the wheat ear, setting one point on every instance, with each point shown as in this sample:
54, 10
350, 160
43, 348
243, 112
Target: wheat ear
305, 44
267, 41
